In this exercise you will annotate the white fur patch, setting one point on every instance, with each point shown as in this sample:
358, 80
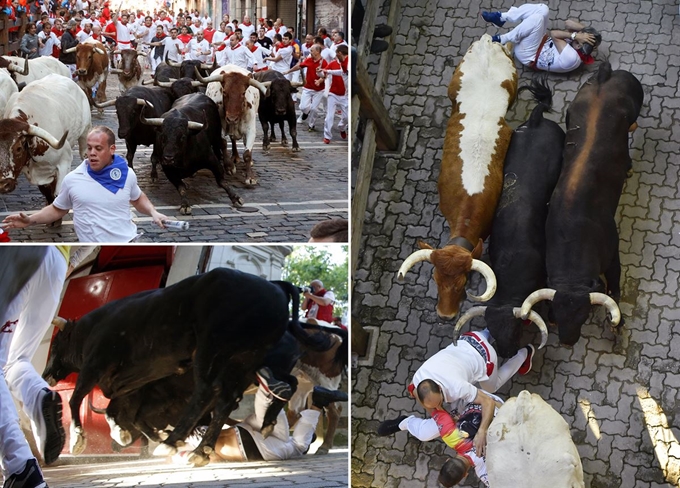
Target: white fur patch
483, 101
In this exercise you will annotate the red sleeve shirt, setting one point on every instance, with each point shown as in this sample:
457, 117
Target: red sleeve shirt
337, 83
311, 76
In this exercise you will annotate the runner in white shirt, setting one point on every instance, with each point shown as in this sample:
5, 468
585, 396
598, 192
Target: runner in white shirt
173, 47
198, 49
305, 48
338, 40
270, 31
86, 33
49, 40
123, 34
282, 57
259, 53
92, 20
204, 20
238, 54
247, 27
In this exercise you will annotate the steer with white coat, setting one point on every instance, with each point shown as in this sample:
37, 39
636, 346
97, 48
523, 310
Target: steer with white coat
237, 96
37, 134
529, 445
38, 68
471, 178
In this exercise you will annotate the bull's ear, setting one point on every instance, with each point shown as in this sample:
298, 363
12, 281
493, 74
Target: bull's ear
424, 245
477, 251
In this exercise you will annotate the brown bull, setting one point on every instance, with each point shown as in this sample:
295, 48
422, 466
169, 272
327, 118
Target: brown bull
477, 138
129, 70
92, 68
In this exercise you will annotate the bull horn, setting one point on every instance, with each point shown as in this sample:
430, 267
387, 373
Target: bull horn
105, 104
156, 122
13, 67
416, 257
536, 319
143, 103
534, 298
195, 83
195, 125
99, 51
172, 80
295, 84
117, 51
610, 303
115, 71
59, 323
70, 50
489, 277
260, 86
466, 317
206, 66
148, 82
168, 84
34, 130
209, 79
172, 63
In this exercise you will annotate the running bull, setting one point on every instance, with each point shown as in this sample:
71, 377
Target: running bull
582, 239
477, 138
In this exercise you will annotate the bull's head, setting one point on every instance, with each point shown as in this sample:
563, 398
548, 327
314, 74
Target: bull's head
571, 310
19, 141
58, 365
84, 57
505, 325
128, 110
172, 136
128, 62
451, 266
181, 87
280, 94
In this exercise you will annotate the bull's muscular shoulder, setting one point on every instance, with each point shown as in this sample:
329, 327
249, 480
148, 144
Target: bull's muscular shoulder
529, 445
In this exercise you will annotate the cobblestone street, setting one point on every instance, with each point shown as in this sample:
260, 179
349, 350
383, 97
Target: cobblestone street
329, 471
296, 190
620, 396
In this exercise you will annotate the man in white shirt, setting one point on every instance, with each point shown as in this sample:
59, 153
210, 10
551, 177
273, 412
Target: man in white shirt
556, 51
173, 46
86, 33
218, 42
144, 35
338, 40
100, 191
92, 20
259, 53
279, 27
247, 27
123, 33
198, 48
49, 40
238, 54
282, 57
204, 20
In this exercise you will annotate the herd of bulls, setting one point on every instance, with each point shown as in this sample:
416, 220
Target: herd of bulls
184, 355
188, 129
547, 200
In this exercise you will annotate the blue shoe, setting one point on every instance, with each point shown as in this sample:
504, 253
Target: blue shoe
496, 38
493, 17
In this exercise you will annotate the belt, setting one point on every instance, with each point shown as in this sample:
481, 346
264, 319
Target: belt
475, 341
262, 69
532, 64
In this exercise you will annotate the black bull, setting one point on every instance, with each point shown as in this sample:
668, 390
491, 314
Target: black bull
204, 322
277, 106
517, 245
581, 235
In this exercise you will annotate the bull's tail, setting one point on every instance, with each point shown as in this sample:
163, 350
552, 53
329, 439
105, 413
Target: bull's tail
316, 342
543, 95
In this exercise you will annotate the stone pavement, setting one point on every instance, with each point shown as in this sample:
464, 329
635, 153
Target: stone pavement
329, 471
296, 190
620, 398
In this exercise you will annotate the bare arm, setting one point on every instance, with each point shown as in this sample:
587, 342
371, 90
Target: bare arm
46, 215
560, 37
488, 408
144, 205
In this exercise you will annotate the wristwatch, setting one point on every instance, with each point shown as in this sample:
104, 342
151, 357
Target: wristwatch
573, 36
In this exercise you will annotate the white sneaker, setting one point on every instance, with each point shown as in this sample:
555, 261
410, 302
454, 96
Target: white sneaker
47, 426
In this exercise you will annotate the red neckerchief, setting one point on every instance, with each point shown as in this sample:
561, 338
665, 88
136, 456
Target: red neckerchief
247, 23
309, 44
253, 49
236, 47
338, 42
277, 29
585, 58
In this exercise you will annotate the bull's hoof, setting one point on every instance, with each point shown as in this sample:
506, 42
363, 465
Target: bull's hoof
237, 202
284, 142
163, 434
198, 459
267, 431
321, 451
121, 436
154, 176
164, 450
296, 148
100, 111
251, 180
265, 147
272, 138
185, 210
78, 442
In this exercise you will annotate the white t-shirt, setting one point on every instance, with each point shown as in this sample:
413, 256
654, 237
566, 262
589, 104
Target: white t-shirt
82, 36
98, 214
552, 60
247, 30
241, 56
455, 369
286, 54
194, 47
314, 308
171, 49
123, 33
48, 43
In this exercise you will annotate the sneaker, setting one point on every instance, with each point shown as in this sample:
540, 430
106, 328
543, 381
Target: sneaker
322, 397
48, 429
343, 134
326, 141
389, 427
379, 46
382, 30
279, 389
494, 18
30, 477
496, 38
311, 129
304, 116
195, 438
526, 365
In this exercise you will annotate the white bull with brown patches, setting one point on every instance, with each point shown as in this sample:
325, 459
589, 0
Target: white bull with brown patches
477, 138
529, 445
37, 134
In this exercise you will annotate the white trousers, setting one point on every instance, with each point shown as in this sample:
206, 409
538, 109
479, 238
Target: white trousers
309, 104
22, 327
527, 36
280, 445
500, 375
335, 102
